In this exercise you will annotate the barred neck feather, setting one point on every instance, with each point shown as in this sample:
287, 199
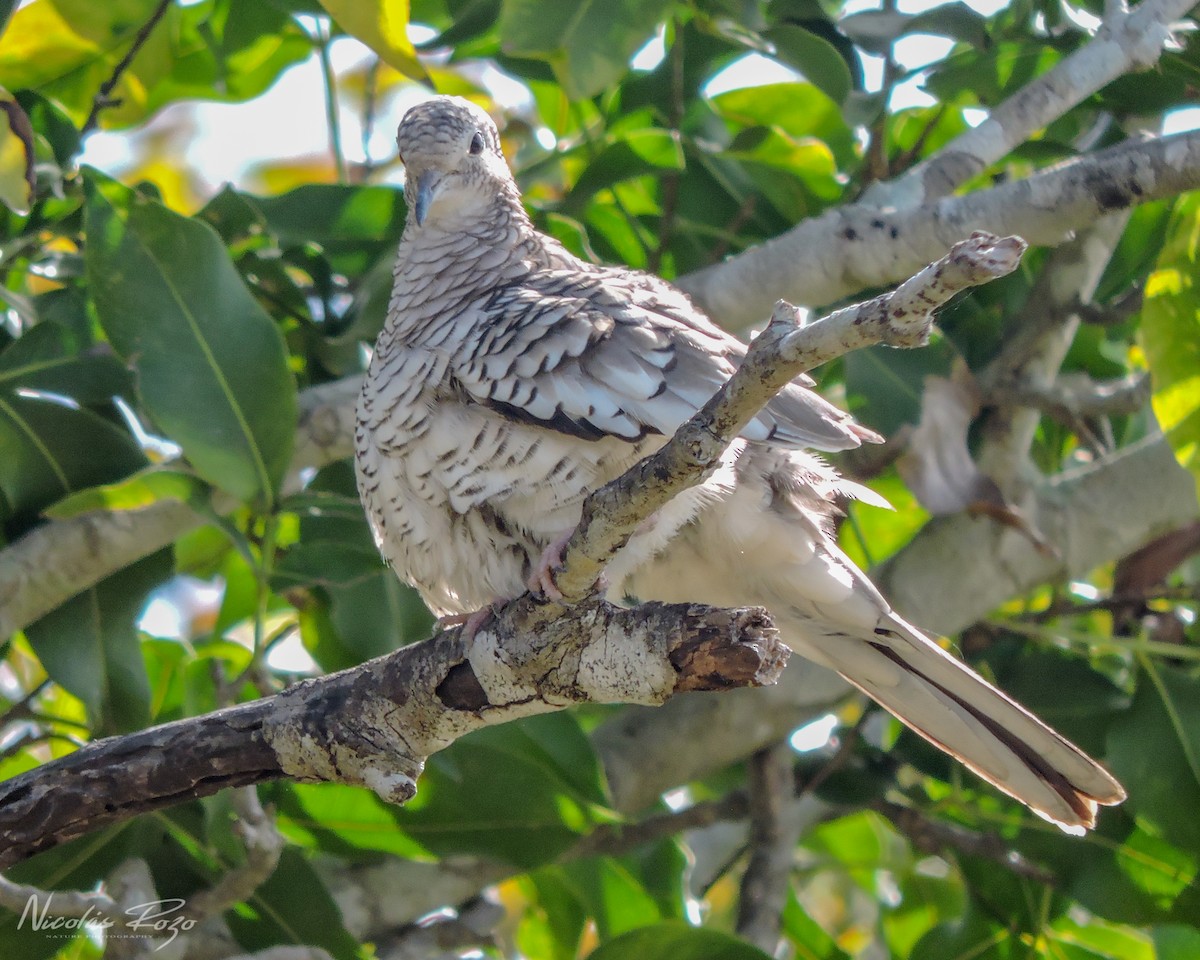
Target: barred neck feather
453, 261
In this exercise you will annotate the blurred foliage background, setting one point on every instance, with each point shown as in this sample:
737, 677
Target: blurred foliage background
159, 329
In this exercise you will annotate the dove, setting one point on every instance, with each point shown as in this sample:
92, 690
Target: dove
511, 378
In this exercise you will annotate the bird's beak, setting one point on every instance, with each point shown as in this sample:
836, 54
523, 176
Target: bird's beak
427, 183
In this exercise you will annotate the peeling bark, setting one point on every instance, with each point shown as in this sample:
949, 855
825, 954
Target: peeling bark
377, 723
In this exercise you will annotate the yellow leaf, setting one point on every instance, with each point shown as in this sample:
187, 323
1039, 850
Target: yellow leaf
383, 26
16, 155
1170, 334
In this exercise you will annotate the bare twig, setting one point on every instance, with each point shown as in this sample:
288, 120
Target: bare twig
1114, 601
22, 709
83, 905
333, 118
1122, 308
780, 354
765, 884
470, 925
103, 96
1073, 397
264, 845
618, 838
670, 183
938, 836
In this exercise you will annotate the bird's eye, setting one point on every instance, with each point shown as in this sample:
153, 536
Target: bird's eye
476, 147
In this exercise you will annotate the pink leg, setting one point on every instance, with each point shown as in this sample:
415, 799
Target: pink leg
470, 622
542, 579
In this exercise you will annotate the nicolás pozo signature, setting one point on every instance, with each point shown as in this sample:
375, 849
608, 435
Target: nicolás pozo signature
157, 919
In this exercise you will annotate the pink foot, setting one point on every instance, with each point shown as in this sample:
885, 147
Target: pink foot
470, 622
542, 579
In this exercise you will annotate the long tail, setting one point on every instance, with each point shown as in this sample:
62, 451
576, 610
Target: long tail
955, 709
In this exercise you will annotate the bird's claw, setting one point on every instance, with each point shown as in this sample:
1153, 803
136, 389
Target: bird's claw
470, 622
542, 580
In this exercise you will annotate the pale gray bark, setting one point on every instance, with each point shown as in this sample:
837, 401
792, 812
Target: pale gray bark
1128, 40
375, 724
857, 246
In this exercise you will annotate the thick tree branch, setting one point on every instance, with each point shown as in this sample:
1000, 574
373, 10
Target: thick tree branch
1093, 516
1034, 352
375, 724
1127, 41
859, 246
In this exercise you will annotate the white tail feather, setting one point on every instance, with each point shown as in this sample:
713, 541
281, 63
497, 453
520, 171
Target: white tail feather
958, 711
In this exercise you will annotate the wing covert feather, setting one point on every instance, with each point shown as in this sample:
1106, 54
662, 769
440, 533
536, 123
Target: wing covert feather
612, 353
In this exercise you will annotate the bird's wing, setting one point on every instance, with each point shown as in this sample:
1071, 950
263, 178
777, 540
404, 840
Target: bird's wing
613, 353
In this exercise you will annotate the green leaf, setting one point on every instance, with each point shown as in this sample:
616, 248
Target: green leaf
133, 493
1154, 749
376, 615
798, 109
798, 177
342, 820
974, 935
676, 941
810, 940
1156, 868
662, 869
542, 792
49, 449
815, 57
1096, 940
588, 42
353, 226
555, 923
326, 563
612, 895
211, 366
885, 385
293, 908
357, 608
636, 154
212, 49
62, 46
383, 26
90, 645
955, 20
1170, 334
47, 359
1176, 942
1065, 692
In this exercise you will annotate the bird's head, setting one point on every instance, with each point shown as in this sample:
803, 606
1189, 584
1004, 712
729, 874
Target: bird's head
452, 161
